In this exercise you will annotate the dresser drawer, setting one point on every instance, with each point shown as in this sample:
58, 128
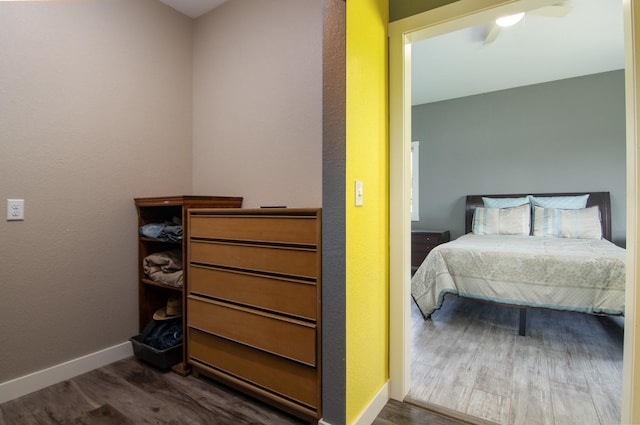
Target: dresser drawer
430, 239
422, 242
269, 259
419, 252
276, 294
281, 376
274, 229
279, 335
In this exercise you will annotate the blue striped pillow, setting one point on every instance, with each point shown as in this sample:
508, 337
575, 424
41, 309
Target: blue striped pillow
581, 223
504, 202
562, 202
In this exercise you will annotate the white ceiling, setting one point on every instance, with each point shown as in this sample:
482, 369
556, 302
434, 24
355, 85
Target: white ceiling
588, 40
193, 8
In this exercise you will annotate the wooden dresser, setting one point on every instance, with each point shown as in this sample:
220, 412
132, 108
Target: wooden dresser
253, 303
422, 242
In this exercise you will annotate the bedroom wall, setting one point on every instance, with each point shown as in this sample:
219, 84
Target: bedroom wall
257, 124
563, 136
367, 227
95, 109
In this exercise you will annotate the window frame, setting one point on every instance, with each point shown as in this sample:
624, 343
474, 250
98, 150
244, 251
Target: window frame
415, 181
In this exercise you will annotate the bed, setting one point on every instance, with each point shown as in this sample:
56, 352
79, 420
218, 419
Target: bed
562, 259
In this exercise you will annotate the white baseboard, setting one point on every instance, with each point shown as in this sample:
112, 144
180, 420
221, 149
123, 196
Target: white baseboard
375, 406
373, 409
37, 380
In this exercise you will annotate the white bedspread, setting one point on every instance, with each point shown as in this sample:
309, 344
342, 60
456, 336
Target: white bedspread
582, 275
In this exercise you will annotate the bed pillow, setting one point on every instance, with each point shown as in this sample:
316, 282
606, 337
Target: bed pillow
581, 223
562, 202
502, 221
504, 202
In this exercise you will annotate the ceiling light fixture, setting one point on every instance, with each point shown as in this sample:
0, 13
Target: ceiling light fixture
507, 21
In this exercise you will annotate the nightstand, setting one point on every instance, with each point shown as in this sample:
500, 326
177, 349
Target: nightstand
422, 242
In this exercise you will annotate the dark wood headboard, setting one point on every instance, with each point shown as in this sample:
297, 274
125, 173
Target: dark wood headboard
601, 199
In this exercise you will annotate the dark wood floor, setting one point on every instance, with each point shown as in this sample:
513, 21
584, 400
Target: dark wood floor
130, 393
396, 412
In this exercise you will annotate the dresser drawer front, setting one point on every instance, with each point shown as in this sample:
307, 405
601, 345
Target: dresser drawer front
430, 239
279, 335
423, 242
284, 377
265, 292
419, 252
417, 257
289, 261
293, 230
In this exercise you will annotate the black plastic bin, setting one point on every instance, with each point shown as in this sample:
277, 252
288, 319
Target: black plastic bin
161, 359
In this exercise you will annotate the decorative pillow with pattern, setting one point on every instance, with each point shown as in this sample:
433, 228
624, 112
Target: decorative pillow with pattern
581, 223
502, 221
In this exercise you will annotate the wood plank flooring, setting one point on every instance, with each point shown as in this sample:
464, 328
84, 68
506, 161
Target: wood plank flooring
469, 366
469, 359
397, 413
130, 393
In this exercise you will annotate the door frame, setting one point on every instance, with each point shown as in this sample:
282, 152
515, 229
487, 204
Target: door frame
458, 15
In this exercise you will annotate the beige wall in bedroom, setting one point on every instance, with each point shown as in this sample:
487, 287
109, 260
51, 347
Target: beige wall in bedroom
102, 101
257, 126
95, 108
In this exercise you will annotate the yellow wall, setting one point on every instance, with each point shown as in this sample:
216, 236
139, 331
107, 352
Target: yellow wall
367, 158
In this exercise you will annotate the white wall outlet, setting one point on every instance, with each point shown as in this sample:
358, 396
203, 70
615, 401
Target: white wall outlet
359, 193
15, 209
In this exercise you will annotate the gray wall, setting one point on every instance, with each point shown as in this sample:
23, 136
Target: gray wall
334, 305
563, 136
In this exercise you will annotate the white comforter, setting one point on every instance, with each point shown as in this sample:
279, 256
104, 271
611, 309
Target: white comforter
582, 275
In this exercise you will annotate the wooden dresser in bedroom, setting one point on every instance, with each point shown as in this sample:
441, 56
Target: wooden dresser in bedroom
253, 303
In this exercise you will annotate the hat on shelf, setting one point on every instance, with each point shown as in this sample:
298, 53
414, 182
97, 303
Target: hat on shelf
171, 310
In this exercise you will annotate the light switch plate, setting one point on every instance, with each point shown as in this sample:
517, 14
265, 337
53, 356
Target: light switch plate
359, 194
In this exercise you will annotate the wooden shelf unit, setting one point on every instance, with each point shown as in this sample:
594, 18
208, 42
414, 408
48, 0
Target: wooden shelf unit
253, 301
153, 295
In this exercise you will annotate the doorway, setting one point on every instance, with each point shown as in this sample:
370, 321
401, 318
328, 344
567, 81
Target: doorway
446, 19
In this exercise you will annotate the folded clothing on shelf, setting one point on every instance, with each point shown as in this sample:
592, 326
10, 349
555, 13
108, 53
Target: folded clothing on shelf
169, 231
164, 267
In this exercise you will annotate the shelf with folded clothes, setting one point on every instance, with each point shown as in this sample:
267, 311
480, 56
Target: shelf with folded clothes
164, 231
164, 267
147, 281
161, 225
146, 239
